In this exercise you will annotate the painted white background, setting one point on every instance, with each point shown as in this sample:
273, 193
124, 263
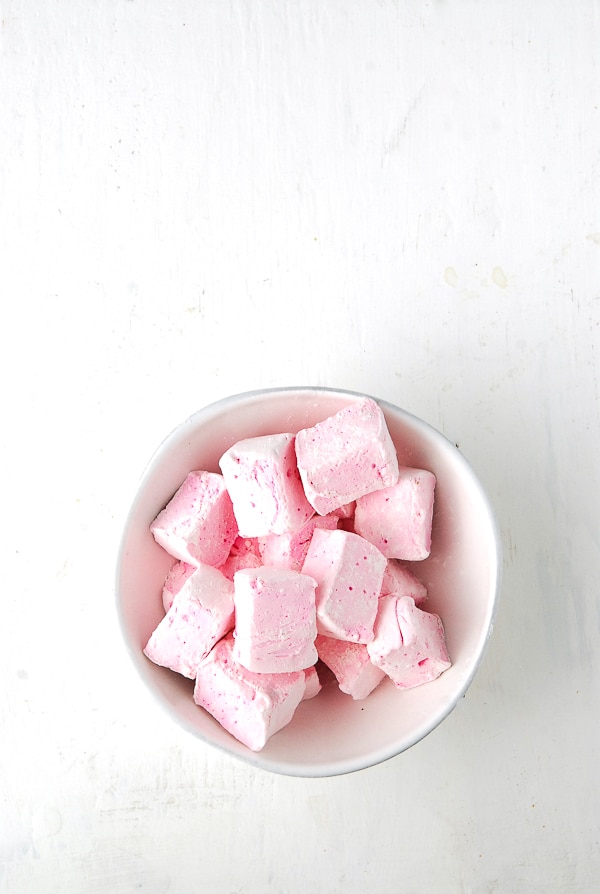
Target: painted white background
200, 198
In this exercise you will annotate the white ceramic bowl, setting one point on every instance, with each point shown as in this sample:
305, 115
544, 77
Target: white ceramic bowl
330, 734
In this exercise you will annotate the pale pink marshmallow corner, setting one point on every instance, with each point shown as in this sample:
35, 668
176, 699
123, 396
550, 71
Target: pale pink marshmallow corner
250, 706
174, 581
346, 511
351, 664
409, 644
289, 550
201, 613
275, 620
398, 580
312, 683
264, 484
346, 456
398, 519
198, 524
349, 572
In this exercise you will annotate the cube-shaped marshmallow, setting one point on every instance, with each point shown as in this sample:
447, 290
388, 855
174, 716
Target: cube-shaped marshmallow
264, 483
346, 456
409, 644
252, 707
349, 572
398, 580
201, 613
397, 519
351, 664
198, 524
275, 620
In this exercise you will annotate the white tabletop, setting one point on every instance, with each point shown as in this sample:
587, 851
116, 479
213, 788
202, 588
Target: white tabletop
202, 198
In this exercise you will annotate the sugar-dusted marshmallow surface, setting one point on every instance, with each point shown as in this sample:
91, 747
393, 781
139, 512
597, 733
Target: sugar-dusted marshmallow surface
174, 581
289, 550
275, 620
409, 644
201, 613
397, 519
250, 706
398, 580
346, 456
198, 524
349, 572
312, 683
351, 664
264, 484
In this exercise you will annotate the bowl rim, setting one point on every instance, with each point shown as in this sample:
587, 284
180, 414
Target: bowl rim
374, 757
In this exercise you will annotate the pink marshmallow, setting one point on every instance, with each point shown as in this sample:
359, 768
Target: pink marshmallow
312, 683
345, 516
397, 520
398, 580
346, 511
244, 546
349, 572
201, 613
289, 550
174, 581
250, 706
244, 554
351, 663
275, 620
264, 484
198, 524
346, 456
409, 644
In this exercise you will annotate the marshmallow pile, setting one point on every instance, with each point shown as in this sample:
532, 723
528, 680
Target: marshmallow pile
296, 555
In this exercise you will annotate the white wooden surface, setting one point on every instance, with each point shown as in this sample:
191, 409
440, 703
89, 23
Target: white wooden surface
200, 198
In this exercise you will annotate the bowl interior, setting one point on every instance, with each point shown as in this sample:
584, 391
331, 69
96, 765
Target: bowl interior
329, 734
